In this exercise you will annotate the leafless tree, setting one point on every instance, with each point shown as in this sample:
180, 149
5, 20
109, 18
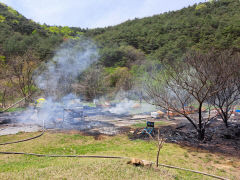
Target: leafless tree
21, 68
225, 99
186, 83
159, 143
6, 87
3, 88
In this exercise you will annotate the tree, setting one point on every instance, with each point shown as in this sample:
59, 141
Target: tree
120, 79
21, 69
6, 88
91, 83
188, 83
159, 143
225, 99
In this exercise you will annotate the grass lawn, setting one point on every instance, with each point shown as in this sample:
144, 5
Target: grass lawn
13, 109
29, 167
144, 124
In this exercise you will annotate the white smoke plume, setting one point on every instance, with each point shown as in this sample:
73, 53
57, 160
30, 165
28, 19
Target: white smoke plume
55, 79
130, 103
72, 58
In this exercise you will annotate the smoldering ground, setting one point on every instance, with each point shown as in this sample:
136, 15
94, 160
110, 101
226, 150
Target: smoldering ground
62, 108
55, 78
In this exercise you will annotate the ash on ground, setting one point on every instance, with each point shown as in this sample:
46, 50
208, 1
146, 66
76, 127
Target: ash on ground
9, 124
93, 121
218, 138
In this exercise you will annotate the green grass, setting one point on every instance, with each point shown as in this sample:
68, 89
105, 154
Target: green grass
13, 109
156, 124
89, 104
29, 167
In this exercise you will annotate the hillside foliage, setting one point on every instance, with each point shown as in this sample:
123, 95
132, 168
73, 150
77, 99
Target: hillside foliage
169, 35
125, 47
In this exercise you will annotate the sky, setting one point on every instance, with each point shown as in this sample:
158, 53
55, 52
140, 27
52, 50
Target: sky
93, 13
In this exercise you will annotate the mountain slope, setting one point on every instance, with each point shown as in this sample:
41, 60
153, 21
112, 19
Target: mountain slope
18, 34
169, 35
123, 48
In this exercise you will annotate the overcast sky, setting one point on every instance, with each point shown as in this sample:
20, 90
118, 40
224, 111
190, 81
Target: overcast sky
93, 13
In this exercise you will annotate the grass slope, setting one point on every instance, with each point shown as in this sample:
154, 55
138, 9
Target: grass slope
26, 167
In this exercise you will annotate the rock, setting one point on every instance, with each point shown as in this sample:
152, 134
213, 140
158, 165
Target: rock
134, 161
138, 162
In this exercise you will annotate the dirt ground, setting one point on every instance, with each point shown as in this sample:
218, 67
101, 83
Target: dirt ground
178, 130
98, 124
218, 138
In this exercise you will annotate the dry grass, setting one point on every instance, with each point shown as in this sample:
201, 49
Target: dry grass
26, 167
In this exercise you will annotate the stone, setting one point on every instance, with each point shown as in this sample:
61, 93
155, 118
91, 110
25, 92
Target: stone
139, 162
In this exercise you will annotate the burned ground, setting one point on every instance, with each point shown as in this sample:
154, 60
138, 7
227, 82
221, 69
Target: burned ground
218, 138
92, 123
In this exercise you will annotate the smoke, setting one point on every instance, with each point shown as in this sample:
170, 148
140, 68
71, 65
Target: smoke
63, 109
73, 57
55, 79
122, 107
130, 103
52, 112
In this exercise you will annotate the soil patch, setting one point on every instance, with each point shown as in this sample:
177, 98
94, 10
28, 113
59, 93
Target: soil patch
217, 139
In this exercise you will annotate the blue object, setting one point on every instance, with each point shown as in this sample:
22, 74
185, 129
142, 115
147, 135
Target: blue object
237, 110
149, 129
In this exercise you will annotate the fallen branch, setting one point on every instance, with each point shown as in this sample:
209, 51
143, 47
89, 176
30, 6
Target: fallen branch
15, 103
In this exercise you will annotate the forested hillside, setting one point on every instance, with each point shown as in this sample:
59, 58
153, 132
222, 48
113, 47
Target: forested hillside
123, 48
169, 35
18, 34
24, 45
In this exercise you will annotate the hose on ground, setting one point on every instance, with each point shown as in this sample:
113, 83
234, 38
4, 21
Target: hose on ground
23, 140
54, 155
111, 157
94, 156
198, 172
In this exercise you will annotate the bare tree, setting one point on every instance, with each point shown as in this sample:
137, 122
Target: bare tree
186, 83
6, 92
3, 88
6, 88
21, 68
225, 99
159, 143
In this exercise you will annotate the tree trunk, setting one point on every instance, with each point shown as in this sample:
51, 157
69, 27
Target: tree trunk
226, 123
201, 134
224, 116
159, 148
201, 130
4, 98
